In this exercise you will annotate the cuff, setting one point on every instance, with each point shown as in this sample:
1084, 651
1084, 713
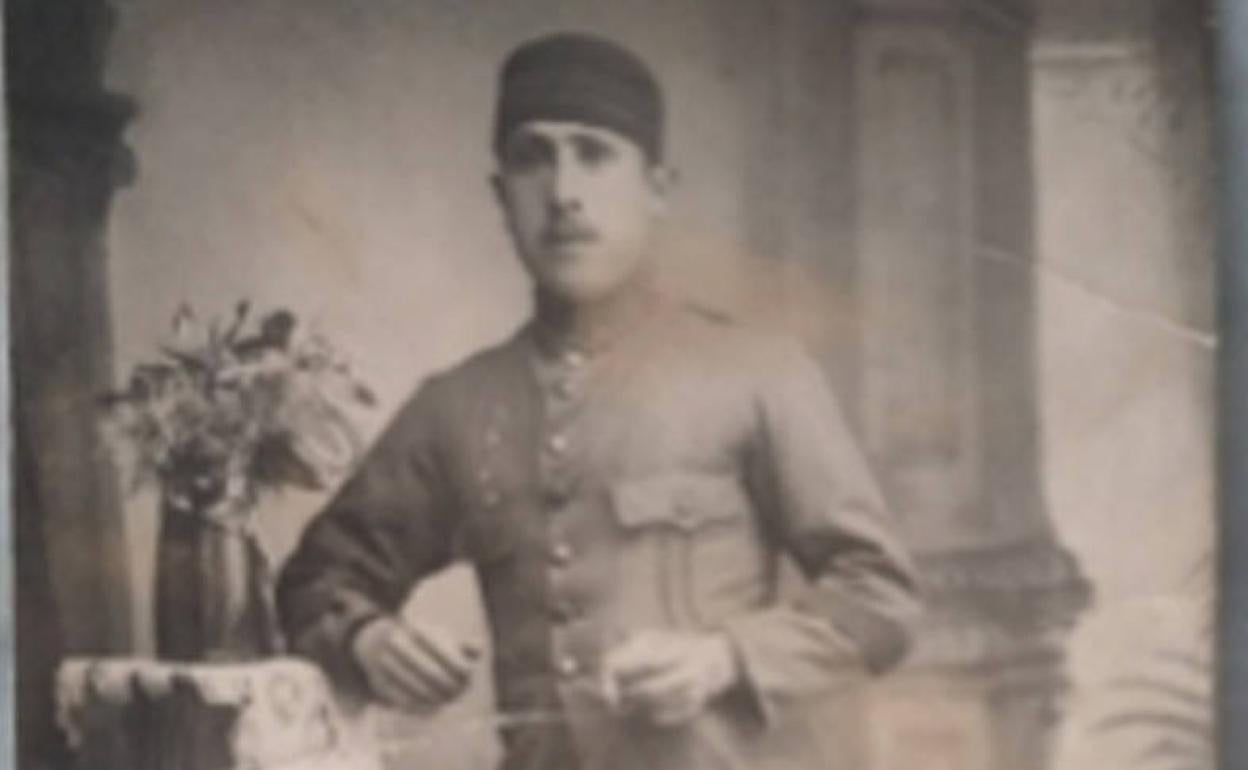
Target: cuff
787, 657
745, 687
329, 643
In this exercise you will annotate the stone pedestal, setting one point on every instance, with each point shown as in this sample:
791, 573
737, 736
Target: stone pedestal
984, 688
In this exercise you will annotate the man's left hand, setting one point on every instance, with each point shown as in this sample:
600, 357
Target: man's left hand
669, 676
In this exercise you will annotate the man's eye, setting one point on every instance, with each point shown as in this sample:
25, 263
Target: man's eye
593, 152
526, 155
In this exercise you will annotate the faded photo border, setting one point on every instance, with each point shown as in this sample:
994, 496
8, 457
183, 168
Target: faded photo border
1231, 424
1232, 684
8, 613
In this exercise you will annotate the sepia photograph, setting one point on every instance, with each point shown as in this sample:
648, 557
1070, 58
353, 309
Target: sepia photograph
592, 385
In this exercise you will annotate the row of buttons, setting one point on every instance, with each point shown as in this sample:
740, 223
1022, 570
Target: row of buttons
561, 385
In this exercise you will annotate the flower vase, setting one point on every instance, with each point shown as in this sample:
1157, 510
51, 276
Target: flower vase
214, 587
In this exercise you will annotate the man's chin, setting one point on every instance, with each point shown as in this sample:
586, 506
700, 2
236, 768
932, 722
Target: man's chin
578, 290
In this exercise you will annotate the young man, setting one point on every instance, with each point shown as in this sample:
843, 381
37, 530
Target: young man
625, 473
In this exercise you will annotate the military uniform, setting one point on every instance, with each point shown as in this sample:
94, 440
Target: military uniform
650, 475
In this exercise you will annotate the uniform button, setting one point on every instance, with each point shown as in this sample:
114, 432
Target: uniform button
567, 665
556, 495
574, 358
558, 443
561, 553
563, 611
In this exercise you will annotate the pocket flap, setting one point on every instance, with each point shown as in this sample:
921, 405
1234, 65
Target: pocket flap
687, 501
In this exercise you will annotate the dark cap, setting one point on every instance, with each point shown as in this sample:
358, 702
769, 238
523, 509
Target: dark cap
584, 79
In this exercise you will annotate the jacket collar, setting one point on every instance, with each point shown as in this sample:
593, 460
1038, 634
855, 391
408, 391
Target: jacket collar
562, 331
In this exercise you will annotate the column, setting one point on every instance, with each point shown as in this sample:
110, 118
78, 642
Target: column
66, 159
945, 360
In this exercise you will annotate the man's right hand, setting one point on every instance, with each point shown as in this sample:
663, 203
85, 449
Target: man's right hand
413, 667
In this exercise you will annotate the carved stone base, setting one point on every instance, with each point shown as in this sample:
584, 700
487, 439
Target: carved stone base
983, 689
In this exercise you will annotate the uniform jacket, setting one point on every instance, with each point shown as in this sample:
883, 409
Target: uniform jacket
657, 479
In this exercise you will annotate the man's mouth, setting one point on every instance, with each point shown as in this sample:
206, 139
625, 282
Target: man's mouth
569, 235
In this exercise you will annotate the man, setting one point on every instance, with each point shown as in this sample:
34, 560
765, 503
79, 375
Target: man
625, 473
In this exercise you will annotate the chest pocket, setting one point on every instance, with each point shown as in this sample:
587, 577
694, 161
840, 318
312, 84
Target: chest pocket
702, 533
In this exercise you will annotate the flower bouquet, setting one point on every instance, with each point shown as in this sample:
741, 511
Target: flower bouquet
224, 414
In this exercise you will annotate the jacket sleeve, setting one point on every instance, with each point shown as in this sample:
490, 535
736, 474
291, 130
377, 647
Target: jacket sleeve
817, 496
360, 557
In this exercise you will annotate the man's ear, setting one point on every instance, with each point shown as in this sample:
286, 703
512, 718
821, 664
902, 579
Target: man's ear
662, 179
499, 186
496, 184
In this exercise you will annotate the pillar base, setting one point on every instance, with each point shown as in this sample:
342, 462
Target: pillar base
983, 688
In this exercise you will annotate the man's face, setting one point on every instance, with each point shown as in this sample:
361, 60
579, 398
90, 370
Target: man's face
581, 203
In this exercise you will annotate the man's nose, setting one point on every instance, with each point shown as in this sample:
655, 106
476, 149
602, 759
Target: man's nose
566, 183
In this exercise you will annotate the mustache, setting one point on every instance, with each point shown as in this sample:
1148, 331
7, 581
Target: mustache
565, 228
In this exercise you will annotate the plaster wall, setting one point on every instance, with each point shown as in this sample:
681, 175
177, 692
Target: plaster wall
1124, 226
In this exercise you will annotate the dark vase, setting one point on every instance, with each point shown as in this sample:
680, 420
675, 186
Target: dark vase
214, 589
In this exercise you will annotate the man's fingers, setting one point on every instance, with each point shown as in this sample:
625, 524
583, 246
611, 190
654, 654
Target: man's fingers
658, 687
452, 654
386, 680
668, 677
662, 693
664, 677
412, 668
667, 699
413, 661
640, 657
398, 687
394, 693
677, 713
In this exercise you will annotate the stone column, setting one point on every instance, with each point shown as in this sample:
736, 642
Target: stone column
945, 357
66, 158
